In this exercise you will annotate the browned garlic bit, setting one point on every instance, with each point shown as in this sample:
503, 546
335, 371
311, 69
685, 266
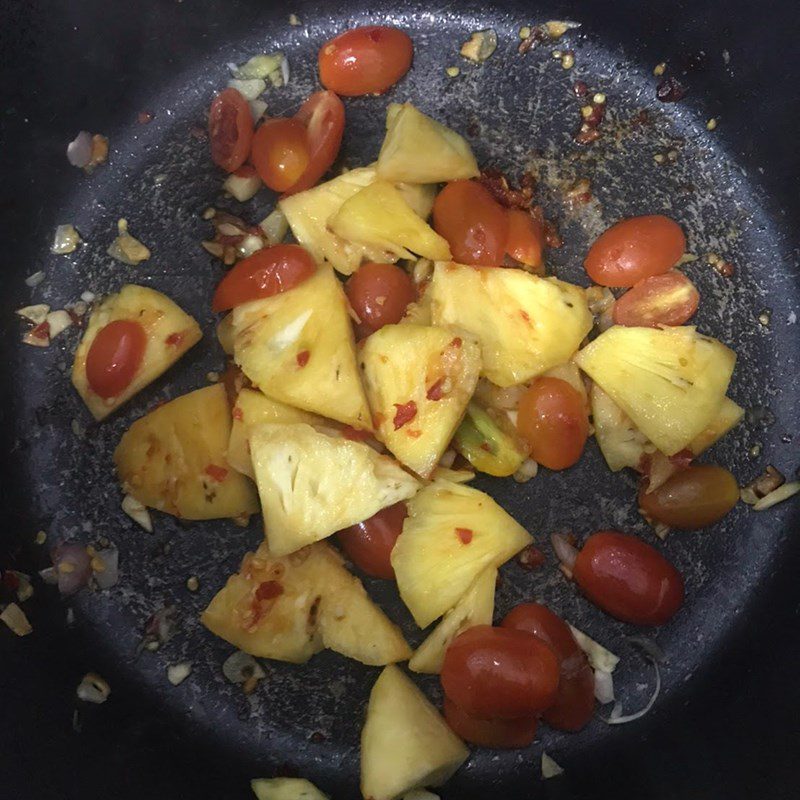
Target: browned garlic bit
479, 46
126, 248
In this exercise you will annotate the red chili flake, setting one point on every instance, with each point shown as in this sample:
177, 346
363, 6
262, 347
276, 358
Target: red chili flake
269, 590
216, 473
456, 342
531, 557
41, 331
354, 434
525, 315
144, 117
237, 413
670, 90
485, 446
302, 358
435, 392
465, 534
174, 339
404, 414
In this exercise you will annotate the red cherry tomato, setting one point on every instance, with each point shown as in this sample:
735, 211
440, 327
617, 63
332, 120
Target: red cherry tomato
365, 60
494, 733
499, 673
114, 357
635, 249
380, 295
525, 238
628, 579
230, 130
369, 544
281, 153
668, 299
267, 272
552, 419
574, 703
473, 222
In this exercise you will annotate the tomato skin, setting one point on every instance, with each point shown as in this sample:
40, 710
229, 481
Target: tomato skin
473, 222
230, 130
366, 60
553, 421
281, 153
269, 271
692, 498
114, 357
525, 238
499, 673
380, 295
628, 579
635, 249
493, 733
369, 544
668, 299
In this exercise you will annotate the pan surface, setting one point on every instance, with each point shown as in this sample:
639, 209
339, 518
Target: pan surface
728, 188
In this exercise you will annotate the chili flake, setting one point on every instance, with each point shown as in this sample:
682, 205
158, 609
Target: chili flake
354, 434
216, 473
237, 413
269, 590
435, 392
174, 339
465, 534
456, 342
405, 413
302, 358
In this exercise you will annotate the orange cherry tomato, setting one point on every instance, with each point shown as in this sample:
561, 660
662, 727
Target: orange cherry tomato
552, 419
230, 130
473, 222
635, 249
380, 295
267, 272
628, 579
369, 544
365, 60
525, 238
114, 357
280, 152
668, 299
494, 733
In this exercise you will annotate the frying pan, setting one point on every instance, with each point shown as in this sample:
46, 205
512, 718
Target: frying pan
726, 724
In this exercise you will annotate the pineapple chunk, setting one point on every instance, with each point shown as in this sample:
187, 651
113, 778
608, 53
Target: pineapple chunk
170, 333
427, 373
286, 789
312, 485
405, 743
312, 603
620, 442
671, 382
173, 459
298, 348
420, 196
728, 417
379, 216
420, 150
253, 408
525, 324
452, 475
451, 535
484, 442
569, 373
476, 607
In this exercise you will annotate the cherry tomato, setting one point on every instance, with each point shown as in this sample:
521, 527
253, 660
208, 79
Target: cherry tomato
635, 249
693, 498
380, 295
269, 271
494, 733
369, 544
525, 238
281, 152
230, 130
552, 419
473, 222
500, 673
628, 579
668, 299
114, 357
365, 60
574, 703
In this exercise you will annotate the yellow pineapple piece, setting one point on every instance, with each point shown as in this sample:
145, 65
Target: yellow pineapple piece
730, 414
286, 789
298, 347
452, 475
620, 442
476, 607
569, 373
405, 743
418, 149
419, 380
170, 333
451, 535
420, 196
525, 324
173, 459
671, 382
312, 485
487, 443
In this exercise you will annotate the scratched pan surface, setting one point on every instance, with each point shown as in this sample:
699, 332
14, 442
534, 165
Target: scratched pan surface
79, 68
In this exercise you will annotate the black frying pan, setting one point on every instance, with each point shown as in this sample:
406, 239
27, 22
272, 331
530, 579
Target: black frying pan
726, 724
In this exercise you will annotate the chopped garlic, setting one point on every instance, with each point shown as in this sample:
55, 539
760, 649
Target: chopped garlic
550, 769
249, 88
556, 28
275, 226
263, 66
294, 20
777, 496
15, 618
257, 108
599, 657
127, 249
178, 673
36, 314
93, 689
137, 512
479, 46
58, 321
35, 279
66, 240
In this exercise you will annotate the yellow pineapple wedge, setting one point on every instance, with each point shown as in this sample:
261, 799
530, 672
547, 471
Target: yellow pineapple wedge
671, 382
405, 743
170, 333
297, 347
418, 149
525, 324
489, 443
452, 475
173, 459
419, 380
451, 535
312, 485
379, 216
254, 408
476, 607
286, 789
288, 608
730, 414
620, 442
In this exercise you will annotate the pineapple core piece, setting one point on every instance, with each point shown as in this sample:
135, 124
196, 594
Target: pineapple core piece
525, 324
451, 535
405, 743
419, 380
